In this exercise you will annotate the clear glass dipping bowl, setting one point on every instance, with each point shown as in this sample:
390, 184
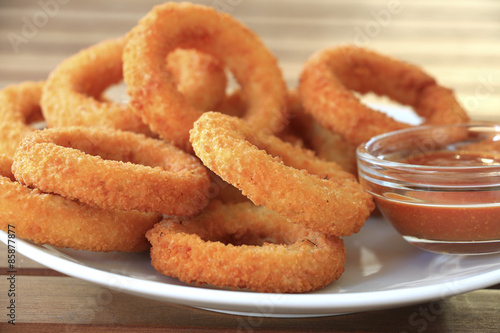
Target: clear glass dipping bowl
439, 186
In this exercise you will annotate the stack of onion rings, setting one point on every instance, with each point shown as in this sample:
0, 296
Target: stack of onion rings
245, 246
285, 178
51, 219
329, 74
100, 187
185, 25
112, 169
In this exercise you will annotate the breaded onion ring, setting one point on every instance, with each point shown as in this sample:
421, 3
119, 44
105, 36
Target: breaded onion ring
6, 167
233, 104
199, 77
326, 144
224, 192
185, 25
302, 130
285, 178
112, 169
329, 75
73, 93
245, 246
19, 106
51, 219
333, 147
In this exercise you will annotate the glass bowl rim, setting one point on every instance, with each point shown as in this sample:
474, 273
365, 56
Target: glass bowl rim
363, 155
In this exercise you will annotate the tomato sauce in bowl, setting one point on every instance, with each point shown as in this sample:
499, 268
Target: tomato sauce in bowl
439, 186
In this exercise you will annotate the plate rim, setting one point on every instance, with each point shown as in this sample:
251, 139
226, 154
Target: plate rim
256, 304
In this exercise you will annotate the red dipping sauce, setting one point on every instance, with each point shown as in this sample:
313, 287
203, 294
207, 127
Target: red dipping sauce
445, 199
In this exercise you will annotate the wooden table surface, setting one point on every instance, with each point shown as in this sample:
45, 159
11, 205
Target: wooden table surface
458, 42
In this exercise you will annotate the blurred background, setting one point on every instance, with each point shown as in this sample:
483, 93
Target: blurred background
457, 42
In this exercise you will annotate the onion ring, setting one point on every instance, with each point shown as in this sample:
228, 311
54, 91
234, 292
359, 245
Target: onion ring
223, 191
199, 77
73, 93
326, 144
245, 246
234, 104
112, 169
328, 75
302, 130
6, 167
185, 25
285, 178
51, 219
19, 106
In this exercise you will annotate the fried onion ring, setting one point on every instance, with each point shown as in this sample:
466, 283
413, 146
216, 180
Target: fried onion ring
302, 130
223, 191
73, 93
185, 25
199, 77
326, 144
329, 75
234, 104
51, 219
112, 169
285, 178
6, 167
245, 246
19, 106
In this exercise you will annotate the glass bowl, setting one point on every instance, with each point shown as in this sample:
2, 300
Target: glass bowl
439, 186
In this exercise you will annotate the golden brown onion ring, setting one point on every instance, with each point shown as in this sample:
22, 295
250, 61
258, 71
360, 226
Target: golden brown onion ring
19, 106
6, 167
112, 169
233, 104
245, 246
185, 25
329, 75
285, 178
302, 130
326, 144
51, 219
199, 77
73, 93
224, 192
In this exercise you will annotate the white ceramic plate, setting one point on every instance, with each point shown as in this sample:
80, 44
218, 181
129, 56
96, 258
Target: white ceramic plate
382, 271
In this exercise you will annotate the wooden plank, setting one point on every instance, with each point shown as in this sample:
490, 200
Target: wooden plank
22, 262
42, 271
65, 300
114, 328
